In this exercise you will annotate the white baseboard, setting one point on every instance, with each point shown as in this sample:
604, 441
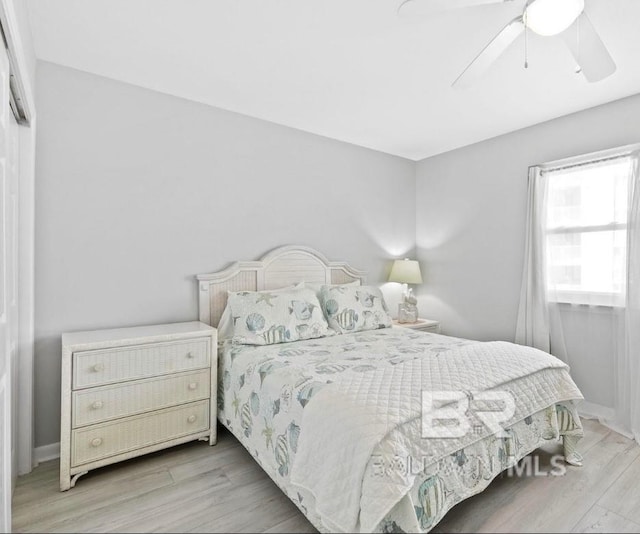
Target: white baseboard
591, 410
47, 452
606, 416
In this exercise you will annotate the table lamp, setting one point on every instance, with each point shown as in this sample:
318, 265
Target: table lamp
406, 272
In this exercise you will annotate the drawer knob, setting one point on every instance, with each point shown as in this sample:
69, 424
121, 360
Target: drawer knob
190, 355
191, 419
193, 386
97, 405
98, 367
96, 442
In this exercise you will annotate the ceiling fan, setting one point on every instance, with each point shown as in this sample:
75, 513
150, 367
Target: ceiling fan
564, 18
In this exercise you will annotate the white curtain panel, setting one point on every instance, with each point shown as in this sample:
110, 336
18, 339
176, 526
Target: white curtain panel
628, 354
599, 339
533, 315
539, 324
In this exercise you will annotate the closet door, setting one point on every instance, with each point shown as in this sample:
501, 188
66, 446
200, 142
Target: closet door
12, 177
7, 334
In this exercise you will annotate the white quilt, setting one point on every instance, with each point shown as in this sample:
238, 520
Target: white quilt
361, 417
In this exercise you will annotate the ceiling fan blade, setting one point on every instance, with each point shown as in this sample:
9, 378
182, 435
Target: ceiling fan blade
427, 7
490, 53
588, 50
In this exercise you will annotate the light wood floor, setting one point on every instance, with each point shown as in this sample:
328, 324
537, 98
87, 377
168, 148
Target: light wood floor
195, 488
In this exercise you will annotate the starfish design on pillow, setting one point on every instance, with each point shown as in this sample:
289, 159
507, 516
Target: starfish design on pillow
266, 297
268, 434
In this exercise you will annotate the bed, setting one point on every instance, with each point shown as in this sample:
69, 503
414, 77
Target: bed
347, 425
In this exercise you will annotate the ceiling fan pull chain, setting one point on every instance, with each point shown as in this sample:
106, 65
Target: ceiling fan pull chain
526, 45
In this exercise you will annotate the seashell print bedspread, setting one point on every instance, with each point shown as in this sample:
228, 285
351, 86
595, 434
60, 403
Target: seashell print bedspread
263, 392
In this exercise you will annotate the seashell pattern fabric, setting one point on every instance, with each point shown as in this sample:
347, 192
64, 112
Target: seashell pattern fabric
354, 308
272, 317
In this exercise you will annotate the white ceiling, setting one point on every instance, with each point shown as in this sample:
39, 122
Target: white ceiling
346, 69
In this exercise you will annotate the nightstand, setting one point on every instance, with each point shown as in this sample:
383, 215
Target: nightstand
424, 325
131, 391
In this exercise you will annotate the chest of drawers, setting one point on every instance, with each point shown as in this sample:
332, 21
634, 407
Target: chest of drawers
130, 391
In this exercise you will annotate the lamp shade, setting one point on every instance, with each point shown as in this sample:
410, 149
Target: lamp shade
406, 272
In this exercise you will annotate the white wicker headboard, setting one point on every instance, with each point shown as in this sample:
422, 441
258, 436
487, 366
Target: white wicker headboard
281, 267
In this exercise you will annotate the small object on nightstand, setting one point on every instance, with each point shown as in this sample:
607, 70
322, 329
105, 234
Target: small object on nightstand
408, 309
130, 391
424, 325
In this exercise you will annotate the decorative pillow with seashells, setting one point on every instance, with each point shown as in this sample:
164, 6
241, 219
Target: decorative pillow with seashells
354, 308
279, 316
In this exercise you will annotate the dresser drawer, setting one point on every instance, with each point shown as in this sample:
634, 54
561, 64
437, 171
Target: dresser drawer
97, 367
96, 442
96, 405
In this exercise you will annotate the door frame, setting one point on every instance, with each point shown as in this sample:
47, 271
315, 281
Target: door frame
26, 224
26, 306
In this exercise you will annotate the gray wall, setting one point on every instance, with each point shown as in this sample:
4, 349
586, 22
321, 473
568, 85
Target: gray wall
138, 191
470, 227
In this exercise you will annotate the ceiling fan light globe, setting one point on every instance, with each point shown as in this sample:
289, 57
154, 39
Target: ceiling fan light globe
551, 17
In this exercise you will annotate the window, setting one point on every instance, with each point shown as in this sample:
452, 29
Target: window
586, 230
